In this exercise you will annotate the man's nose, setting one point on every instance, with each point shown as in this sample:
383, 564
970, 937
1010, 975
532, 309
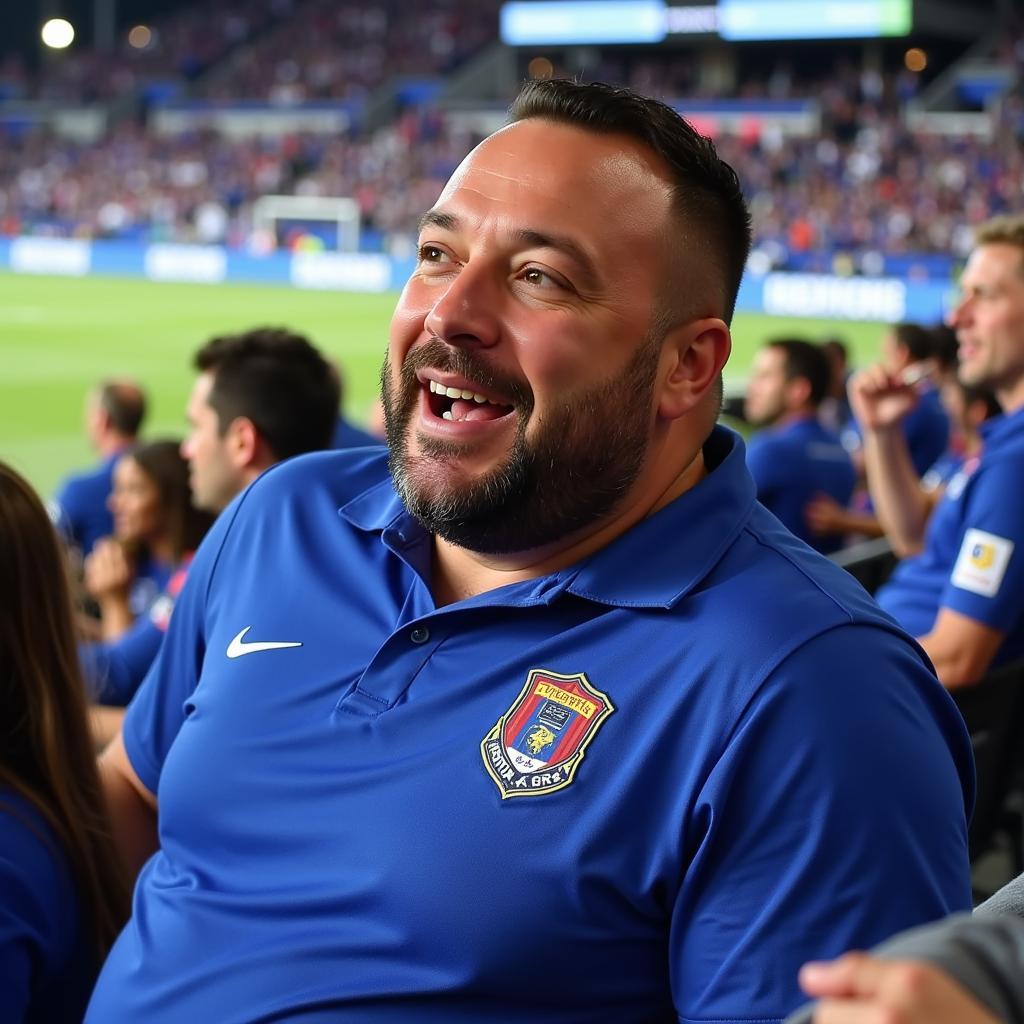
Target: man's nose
467, 312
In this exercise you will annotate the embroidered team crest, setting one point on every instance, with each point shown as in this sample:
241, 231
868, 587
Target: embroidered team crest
537, 745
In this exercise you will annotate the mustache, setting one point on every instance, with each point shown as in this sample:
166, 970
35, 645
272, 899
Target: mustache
439, 355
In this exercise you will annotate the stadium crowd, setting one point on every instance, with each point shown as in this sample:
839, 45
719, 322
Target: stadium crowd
200, 187
313, 49
340, 51
887, 189
864, 186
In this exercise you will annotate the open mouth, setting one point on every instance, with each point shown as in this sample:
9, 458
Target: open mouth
463, 404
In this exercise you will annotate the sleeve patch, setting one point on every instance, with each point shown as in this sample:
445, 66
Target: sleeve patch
982, 563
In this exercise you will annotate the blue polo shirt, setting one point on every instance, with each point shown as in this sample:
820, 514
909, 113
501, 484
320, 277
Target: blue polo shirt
926, 429
114, 669
79, 508
348, 435
792, 463
46, 964
646, 787
973, 556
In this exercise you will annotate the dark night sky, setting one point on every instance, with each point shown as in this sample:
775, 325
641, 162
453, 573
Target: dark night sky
20, 19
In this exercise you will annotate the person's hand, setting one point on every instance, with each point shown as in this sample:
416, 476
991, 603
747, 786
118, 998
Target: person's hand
108, 573
824, 515
879, 399
862, 989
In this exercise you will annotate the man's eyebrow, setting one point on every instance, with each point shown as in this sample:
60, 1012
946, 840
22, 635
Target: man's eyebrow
439, 219
560, 243
528, 238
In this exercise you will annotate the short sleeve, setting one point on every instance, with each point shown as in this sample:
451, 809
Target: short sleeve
986, 581
157, 710
115, 669
836, 816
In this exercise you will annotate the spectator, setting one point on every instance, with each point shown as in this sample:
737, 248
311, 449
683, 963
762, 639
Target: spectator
383, 689
272, 378
963, 595
260, 397
113, 415
64, 892
156, 529
909, 350
135, 574
967, 408
796, 457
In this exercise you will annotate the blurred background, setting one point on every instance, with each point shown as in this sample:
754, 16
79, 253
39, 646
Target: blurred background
172, 170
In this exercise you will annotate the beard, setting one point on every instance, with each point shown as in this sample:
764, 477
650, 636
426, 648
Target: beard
583, 457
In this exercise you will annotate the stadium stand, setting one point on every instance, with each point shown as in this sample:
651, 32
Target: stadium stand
864, 186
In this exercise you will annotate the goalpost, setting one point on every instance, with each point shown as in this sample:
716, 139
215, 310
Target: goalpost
334, 221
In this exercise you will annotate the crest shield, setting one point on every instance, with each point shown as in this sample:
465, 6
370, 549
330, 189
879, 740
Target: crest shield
537, 745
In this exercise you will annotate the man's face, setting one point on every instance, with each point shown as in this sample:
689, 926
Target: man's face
766, 389
989, 319
213, 477
522, 364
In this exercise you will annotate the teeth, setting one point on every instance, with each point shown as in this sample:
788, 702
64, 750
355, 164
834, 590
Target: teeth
447, 415
440, 389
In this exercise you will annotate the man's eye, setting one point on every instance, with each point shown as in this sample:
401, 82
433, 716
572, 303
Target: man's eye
432, 254
534, 275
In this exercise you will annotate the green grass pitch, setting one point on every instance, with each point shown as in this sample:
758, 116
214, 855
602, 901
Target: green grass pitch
58, 336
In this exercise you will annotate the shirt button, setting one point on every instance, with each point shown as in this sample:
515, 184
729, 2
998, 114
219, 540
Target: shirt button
419, 635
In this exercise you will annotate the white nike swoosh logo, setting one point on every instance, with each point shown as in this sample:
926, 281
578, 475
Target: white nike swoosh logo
237, 648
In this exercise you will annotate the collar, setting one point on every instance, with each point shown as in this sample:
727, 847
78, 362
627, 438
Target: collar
662, 558
1009, 426
795, 424
652, 565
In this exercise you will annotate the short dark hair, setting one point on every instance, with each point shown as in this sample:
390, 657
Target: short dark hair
917, 340
944, 346
125, 405
805, 360
836, 349
277, 379
977, 394
707, 189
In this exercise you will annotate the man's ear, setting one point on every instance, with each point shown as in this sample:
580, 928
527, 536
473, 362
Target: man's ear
243, 442
693, 355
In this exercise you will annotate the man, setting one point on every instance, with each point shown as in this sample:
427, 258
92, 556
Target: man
910, 351
114, 412
963, 595
260, 397
553, 724
796, 457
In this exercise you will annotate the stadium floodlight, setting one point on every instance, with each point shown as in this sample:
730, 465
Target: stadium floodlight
57, 34
326, 222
